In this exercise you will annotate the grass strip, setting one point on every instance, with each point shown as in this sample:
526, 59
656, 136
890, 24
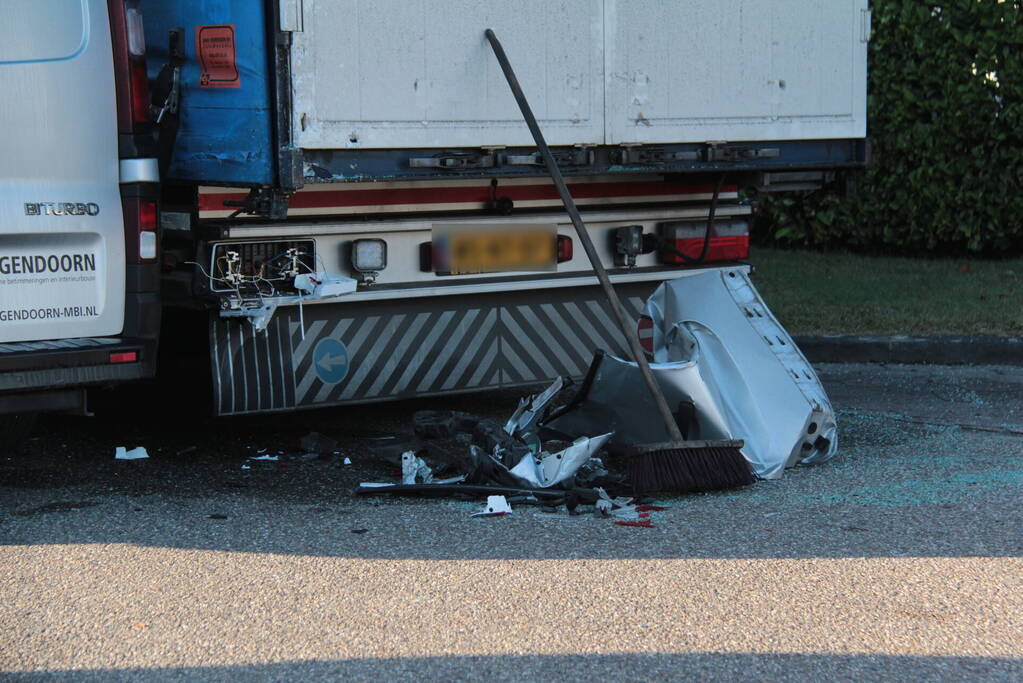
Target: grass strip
841, 293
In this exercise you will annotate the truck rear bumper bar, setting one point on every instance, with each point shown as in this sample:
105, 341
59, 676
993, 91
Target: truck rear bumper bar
28, 367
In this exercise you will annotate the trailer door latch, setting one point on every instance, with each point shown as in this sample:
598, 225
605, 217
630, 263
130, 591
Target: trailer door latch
454, 161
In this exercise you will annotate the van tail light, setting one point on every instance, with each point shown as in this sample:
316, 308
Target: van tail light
129, 42
140, 223
139, 92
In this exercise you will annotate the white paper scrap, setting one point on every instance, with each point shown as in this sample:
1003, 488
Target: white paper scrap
137, 453
495, 507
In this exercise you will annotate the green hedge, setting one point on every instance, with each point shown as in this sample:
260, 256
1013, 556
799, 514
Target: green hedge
945, 115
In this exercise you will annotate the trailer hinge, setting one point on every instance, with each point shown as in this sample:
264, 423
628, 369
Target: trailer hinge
719, 152
633, 155
291, 164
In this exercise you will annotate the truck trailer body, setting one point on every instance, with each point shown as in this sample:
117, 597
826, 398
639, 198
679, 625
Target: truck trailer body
352, 208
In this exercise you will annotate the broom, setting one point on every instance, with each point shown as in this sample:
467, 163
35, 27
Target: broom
677, 465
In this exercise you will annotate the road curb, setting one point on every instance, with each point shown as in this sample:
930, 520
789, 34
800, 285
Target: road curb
982, 350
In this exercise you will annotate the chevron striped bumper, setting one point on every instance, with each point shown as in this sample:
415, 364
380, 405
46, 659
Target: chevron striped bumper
357, 352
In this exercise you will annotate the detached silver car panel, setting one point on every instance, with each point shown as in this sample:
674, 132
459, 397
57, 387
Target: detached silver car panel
718, 347
62, 262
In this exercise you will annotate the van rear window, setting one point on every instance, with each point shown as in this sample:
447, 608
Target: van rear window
34, 31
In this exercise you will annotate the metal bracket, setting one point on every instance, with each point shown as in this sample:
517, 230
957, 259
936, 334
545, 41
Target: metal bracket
635, 154
169, 78
268, 202
573, 157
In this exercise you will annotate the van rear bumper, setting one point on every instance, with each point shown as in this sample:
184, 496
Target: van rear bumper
28, 367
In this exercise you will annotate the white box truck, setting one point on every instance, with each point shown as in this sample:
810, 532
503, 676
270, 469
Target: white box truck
352, 210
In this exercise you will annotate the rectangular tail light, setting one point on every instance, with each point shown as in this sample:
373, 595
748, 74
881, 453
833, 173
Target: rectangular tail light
141, 217
128, 37
729, 240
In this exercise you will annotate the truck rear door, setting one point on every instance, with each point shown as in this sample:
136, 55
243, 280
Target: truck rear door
62, 242
400, 73
696, 71
418, 73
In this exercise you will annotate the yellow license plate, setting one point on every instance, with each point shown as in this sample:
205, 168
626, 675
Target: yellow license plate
461, 249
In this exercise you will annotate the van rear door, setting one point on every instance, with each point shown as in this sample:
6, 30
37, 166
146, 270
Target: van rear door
62, 243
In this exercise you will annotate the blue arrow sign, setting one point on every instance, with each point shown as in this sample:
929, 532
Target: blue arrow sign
330, 358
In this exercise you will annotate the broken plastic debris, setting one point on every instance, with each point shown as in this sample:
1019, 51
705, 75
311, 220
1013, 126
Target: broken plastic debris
530, 409
549, 469
496, 506
347, 461
373, 485
590, 470
643, 523
324, 285
414, 468
270, 458
137, 453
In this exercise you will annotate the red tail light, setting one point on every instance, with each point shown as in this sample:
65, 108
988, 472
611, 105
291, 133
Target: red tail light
124, 357
729, 242
139, 91
564, 248
140, 223
132, 83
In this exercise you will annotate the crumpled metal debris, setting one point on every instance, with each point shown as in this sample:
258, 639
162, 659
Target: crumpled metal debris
548, 469
531, 409
730, 367
414, 469
496, 459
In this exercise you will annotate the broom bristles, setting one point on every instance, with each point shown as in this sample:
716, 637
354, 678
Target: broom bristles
688, 469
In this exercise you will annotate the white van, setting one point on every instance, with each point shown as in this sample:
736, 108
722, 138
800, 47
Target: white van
79, 296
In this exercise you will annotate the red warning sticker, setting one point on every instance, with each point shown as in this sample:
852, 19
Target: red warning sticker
215, 48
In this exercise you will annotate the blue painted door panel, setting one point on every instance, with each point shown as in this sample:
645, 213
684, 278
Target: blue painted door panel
226, 133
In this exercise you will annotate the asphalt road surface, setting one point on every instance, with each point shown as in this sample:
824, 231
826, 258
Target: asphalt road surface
900, 559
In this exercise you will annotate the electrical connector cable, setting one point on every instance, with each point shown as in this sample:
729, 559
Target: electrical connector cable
665, 245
